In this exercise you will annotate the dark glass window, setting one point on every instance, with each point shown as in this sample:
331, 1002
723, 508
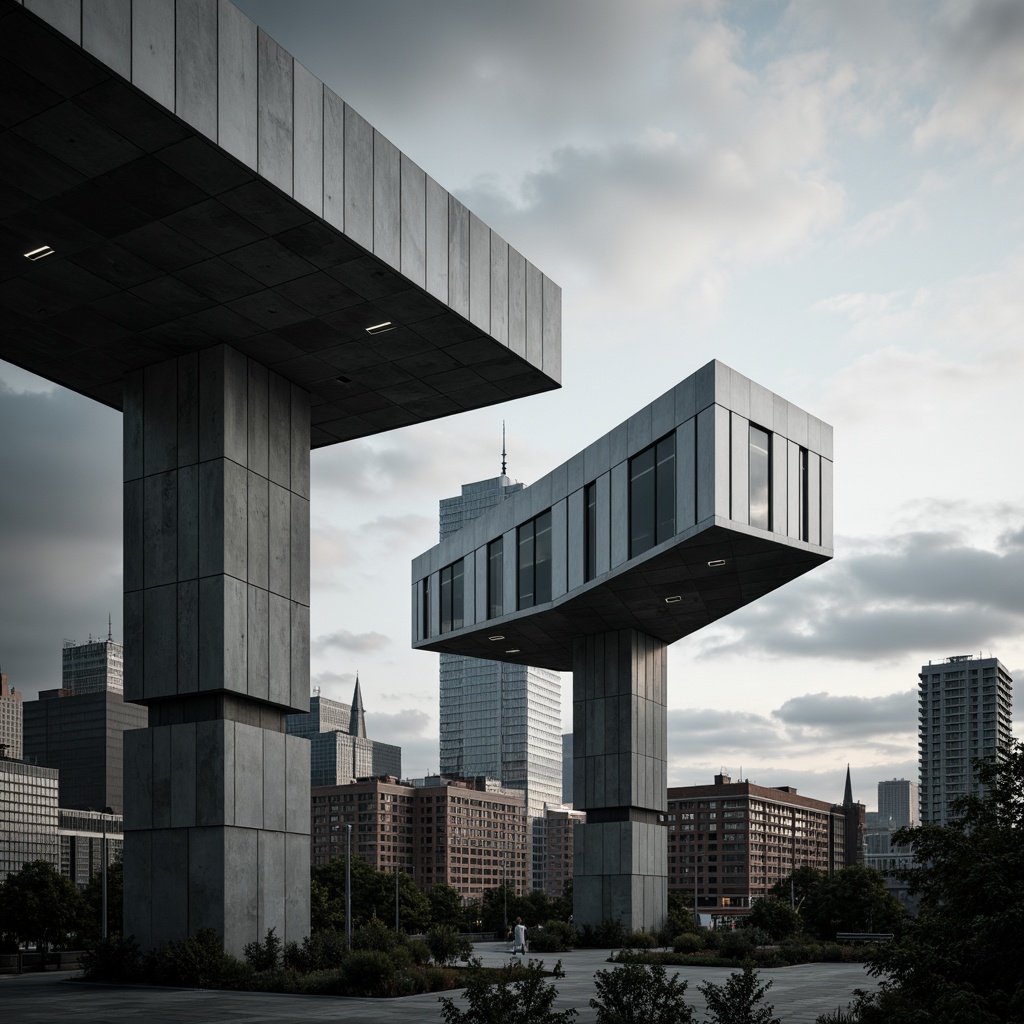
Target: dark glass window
535, 561
652, 495
453, 596
803, 510
590, 531
426, 606
495, 579
759, 478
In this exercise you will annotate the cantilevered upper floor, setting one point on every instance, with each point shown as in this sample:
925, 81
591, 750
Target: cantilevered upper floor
173, 179
708, 498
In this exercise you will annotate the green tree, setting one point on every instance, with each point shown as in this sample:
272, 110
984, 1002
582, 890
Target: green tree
854, 899
373, 895
960, 958
500, 903
561, 907
92, 897
445, 905
799, 885
39, 905
774, 916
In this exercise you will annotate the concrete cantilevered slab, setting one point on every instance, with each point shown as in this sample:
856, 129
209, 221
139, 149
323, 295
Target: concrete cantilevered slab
568, 574
196, 230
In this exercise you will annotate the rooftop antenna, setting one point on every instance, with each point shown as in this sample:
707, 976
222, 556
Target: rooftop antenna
503, 453
110, 628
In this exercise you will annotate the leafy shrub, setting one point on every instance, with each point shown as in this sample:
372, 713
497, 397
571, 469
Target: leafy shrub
555, 937
419, 951
735, 1002
266, 955
447, 945
737, 944
794, 951
375, 935
196, 962
832, 952
321, 951
112, 959
366, 972
711, 938
609, 934
836, 1016
688, 942
638, 940
758, 936
518, 992
637, 994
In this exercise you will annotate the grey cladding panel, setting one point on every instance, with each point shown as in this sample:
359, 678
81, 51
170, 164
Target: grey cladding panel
106, 33
275, 112
153, 56
63, 15
534, 315
780, 476
559, 548
686, 474
237, 75
308, 139
458, 257
414, 222
793, 489
195, 100
334, 159
722, 419
358, 179
479, 272
436, 240
620, 514
516, 302
604, 523
706, 463
552, 330
740, 444
387, 204
813, 498
827, 538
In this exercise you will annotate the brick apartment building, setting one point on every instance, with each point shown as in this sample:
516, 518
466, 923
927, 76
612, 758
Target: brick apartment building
730, 842
469, 834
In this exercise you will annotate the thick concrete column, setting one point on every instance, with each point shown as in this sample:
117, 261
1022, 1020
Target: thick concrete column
216, 580
620, 779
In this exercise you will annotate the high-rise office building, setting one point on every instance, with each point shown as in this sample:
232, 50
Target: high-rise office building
28, 815
10, 720
498, 719
340, 750
80, 727
964, 713
93, 667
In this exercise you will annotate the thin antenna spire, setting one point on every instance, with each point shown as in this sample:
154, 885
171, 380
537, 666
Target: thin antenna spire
110, 628
503, 453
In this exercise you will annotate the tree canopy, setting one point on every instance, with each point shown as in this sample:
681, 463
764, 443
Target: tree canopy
39, 905
960, 959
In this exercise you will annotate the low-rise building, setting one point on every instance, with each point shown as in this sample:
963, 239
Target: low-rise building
469, 834
83, 836
561, 827
28, 815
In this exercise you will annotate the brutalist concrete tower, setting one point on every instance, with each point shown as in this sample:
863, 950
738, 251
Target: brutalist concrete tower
197, 231
709, 498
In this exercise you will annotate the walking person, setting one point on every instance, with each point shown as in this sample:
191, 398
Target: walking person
519, 945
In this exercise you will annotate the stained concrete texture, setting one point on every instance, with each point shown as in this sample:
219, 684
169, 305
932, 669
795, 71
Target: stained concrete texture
799, 995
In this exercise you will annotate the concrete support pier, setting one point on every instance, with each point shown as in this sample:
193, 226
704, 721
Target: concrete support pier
216, 602
620, 778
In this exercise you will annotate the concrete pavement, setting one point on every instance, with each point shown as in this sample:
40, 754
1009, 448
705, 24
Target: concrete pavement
798, 994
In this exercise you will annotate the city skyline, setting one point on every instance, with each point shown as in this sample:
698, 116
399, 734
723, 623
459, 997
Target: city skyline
823, 199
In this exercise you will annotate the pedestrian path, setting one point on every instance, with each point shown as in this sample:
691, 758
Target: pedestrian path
799, 994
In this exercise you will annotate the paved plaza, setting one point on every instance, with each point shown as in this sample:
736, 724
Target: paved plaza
799, 994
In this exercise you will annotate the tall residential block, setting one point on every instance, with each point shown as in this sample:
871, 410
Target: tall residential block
897, 803
964, 712
498, 719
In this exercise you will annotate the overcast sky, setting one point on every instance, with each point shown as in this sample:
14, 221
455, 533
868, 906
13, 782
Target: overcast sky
825, 196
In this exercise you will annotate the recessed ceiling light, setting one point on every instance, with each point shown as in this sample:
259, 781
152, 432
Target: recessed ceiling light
343, 379
716, 563
381, 328
512, 650
675, 599
38, 254
495, 638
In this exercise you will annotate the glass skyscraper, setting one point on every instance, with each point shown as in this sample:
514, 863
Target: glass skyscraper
497, 719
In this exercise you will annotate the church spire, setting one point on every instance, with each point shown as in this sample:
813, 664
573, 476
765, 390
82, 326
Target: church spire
848, 795
357, 720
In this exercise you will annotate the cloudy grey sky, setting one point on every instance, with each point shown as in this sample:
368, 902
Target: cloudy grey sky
825, 196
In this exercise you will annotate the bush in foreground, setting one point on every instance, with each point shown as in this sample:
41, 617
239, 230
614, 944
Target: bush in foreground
518, 992
735, 1002
639, 994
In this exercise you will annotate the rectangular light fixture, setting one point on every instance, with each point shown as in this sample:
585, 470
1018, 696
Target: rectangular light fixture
675, 599
381, 328
38, 254
495, 638
716, 563
512, 650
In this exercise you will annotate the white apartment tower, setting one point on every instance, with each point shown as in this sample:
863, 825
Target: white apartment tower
964, 713
498, 719
93, 667
898, 803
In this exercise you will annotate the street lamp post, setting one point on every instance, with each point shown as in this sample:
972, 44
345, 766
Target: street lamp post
348, 886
